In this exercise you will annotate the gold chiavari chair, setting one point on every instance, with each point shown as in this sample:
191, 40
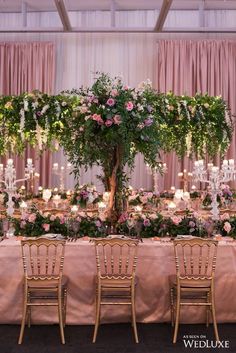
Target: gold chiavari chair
116, 265
44, 283
193, 284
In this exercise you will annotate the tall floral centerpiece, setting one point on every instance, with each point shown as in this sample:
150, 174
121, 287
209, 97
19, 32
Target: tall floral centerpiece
112, 123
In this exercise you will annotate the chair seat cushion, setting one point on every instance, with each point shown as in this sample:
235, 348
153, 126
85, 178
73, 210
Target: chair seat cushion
194, 282
42, 282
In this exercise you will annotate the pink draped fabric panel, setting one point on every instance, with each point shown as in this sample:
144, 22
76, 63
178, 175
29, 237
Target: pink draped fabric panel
191, 66
28, 67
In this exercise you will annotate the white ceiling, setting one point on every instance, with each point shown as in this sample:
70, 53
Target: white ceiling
83, 5
64, 9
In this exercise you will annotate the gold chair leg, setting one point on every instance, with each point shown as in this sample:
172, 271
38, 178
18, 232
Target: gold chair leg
177, 316
134, 317
97, 319
29, 312
172, 306
214, 316
22, 329
64, 306
207, 311
60, 314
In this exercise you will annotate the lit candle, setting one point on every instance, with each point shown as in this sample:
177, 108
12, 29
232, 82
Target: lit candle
68, 193
22, 187
29, 161
200, 162
171, 206
74, 209
10, 161
180, 174
55, 189
62, 168
1, 166
55, 166
23, 205
40, 189
138, 208
210, 165
225, 162
69, 165
37, 175
231, 161
106, 196
172, 188
193, 188
101, 205
215, 169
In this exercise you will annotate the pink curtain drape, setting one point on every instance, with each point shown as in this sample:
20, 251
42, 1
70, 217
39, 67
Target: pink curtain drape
28, 67
191, 66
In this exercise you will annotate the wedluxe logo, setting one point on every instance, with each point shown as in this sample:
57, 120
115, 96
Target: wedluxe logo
196, 341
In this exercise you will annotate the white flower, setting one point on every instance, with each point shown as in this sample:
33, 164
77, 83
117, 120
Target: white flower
26, 105
45, 108
63, 103
35, 105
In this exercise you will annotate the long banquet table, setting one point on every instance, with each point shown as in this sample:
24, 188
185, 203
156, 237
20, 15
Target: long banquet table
155, 264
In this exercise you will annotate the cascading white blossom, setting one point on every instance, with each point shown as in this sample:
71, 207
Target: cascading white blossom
22, 123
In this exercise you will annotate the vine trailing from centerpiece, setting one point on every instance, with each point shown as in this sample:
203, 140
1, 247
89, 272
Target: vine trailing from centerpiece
109, 123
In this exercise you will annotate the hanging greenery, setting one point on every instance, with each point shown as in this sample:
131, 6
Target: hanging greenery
109, 123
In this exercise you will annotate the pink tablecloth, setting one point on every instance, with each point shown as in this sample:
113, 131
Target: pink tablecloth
155, 264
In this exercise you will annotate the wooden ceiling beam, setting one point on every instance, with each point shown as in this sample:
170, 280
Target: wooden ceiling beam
166, 4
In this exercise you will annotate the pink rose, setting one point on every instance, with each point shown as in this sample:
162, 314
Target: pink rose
108, 122
114, 92
98, 119
126, 88
81, 129
123, 217
176, 220
146, 222
46, 227
225, 217
22, 224
32, 218
111, 102
83, 109
129, 106
148, 122
117, 119
192, 224
227, 227
98, 223
52, 218
62, 219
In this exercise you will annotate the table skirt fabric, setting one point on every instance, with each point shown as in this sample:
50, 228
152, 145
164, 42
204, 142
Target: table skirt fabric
155, 265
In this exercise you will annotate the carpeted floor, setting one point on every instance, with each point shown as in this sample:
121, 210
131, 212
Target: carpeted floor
118, 338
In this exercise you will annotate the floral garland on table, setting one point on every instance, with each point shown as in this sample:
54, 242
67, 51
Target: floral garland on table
37, 223
144, 198
155, 225
227, 225
85, 195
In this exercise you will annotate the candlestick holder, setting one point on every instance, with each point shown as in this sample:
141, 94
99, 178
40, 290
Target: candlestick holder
156, 172
214, 176
61, 172
185, 178
9, 181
